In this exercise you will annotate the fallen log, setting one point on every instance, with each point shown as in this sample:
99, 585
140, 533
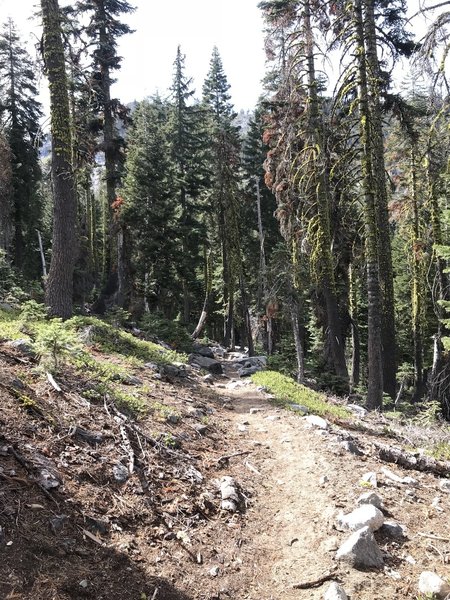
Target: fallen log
410, 461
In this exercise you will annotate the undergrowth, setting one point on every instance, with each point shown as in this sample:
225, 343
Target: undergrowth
112, 340
286, 392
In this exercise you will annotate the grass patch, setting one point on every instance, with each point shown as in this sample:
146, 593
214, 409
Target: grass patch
112, 340
287, 391
440, 451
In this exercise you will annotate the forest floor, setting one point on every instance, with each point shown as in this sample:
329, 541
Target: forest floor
75, 524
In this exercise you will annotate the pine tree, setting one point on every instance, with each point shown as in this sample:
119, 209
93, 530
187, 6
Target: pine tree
20, 113
147, 208
59, 286
187, 143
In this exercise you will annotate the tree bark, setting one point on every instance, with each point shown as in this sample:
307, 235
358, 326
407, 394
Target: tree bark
321, 191
388, 339
375, 371
59, 286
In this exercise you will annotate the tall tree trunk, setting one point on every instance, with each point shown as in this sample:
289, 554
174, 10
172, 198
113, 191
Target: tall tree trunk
356, 348
262, 298
389, 354
59, 286
108, 141
417, 286
293, 309
375, 371
321, 189
207, 265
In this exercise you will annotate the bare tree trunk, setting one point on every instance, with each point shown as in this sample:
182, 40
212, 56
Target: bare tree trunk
59, 287
293, 309
207, 260
41, 252
356, 344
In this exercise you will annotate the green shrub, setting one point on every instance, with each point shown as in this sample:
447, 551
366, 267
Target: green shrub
32, 311
54, 343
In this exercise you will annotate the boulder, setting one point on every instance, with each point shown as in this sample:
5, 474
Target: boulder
432, 585
211, 365
365, 515
202, 350
335, 592
23, 346
357, 410
247, 371
258, 362
360, 550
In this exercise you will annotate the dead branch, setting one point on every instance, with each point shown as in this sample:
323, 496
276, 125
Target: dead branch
433, 537
53, 383
315, 582
228, 456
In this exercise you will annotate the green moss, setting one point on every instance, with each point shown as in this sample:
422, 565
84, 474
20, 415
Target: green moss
287, 391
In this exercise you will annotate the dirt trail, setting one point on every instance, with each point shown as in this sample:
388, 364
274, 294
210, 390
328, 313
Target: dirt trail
290, 531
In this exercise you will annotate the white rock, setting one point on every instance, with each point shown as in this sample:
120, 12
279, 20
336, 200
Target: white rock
369, 479
361, 550
366, 515
214, 571
393, 477
444, 484
229, 494
370, 498
335, 592
430, 583
357, 410
315, 421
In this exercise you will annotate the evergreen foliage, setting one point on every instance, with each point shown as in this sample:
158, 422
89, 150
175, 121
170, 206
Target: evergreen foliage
20, 113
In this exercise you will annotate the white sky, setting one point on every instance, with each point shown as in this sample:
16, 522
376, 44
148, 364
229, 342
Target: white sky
234, 26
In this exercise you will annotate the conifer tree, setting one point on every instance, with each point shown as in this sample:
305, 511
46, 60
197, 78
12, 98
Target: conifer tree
187, 143
147, 208
224, 192
20, 113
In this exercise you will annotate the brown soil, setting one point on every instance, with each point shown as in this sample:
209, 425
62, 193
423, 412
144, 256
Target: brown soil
161, 534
